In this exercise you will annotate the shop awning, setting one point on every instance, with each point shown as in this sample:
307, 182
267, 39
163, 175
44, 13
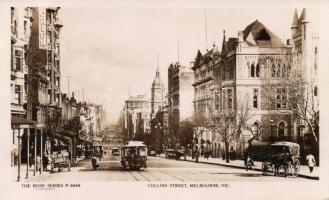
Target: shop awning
95, 144
15, 120
61, 137
21, 122
69, 133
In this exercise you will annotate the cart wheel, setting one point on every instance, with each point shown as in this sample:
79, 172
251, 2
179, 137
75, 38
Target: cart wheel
295, 167
281, 171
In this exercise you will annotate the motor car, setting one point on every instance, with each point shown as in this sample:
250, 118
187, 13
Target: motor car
170, 153
115, 152
152, 153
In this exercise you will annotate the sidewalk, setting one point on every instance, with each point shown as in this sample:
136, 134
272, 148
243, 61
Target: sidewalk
304, 170
23, 173
31, 171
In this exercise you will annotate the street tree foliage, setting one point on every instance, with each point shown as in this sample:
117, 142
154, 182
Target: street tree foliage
227, 123
186, 135
53, 120
295, 94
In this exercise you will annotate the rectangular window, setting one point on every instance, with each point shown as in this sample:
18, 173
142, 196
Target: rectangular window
281, 98
229, 99
48, 37
17, 96
18, 65
255, 98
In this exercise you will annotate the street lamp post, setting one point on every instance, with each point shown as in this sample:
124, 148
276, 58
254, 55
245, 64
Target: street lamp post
35, 151
271, 127
28, 153
19, 154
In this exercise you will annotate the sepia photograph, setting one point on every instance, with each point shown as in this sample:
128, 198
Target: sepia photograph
190, 96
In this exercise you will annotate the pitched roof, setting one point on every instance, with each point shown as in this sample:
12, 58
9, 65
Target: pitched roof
256, 34
295, 20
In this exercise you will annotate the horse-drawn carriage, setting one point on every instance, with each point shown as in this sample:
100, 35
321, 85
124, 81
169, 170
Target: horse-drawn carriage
134, 155
279, 158
60, 160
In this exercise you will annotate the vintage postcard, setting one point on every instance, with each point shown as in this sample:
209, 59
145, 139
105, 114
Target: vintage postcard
164, 100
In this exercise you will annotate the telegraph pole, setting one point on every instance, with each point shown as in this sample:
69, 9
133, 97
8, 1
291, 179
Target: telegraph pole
68, 86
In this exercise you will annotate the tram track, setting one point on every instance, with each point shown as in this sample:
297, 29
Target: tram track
140, 174
133, 176
175, 177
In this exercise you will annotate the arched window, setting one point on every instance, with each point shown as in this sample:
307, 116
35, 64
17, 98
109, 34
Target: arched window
252, 70
315, 91
273, 71
281, 130
288, 71
278, 101
278, 72
265, 71
284, 71
257, 70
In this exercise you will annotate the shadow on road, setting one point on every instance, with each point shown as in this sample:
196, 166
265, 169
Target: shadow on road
110, 168
250, 175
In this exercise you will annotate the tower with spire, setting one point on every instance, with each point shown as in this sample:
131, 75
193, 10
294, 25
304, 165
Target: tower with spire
157, 94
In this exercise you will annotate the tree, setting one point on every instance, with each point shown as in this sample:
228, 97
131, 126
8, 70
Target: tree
295, 93
227, 123
53, 121
186, 135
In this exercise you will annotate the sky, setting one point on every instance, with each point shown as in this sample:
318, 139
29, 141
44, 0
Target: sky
111, 51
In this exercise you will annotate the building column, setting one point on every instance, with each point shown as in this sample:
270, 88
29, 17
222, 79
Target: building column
41, 151
35, 151
28, 153
19, 154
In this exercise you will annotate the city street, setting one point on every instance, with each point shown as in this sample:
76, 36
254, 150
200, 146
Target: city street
159, 169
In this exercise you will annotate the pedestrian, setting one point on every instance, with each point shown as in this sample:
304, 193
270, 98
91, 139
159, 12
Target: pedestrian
310, 162
249, 163
94, 163
233, 155
223, 155
45, 161
197, 156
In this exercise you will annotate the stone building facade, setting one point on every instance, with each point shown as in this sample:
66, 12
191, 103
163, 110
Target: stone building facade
136, 116
21, 19
180, 93
241, 74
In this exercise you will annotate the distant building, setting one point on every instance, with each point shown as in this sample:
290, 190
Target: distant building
157, 94
180, 97
136, 116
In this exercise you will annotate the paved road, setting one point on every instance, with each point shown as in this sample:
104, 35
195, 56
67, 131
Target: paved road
159, 169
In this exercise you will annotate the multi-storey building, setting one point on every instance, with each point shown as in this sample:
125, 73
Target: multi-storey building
206, 86
45, 63
244, 73
136, 117
252, 60
21, 19
180, 94
305, 50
